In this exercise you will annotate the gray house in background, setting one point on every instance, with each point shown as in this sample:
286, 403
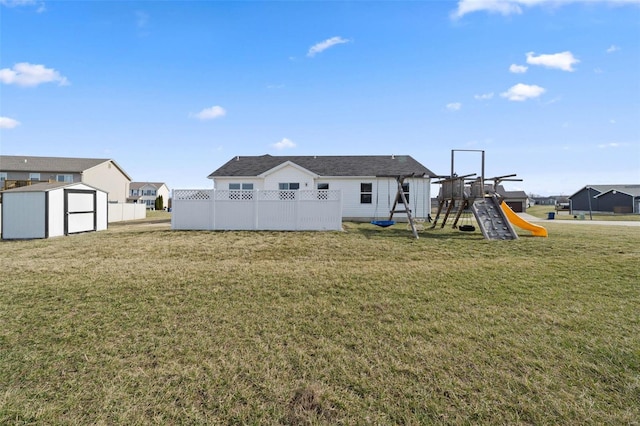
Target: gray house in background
607, 199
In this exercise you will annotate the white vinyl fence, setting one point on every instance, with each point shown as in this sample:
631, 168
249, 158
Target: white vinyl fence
119, 212
209, 209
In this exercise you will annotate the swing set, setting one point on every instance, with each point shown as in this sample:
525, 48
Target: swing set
399, 198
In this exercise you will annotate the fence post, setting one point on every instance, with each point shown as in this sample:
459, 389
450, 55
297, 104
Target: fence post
256, 213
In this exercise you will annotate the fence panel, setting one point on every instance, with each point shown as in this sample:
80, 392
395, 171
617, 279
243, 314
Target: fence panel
119, 212
256, 210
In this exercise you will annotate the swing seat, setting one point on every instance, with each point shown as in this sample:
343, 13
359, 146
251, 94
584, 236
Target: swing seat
383, 223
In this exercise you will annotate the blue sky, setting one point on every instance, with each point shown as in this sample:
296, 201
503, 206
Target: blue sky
550, 90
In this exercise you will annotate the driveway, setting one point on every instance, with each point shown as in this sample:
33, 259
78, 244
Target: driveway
586, 221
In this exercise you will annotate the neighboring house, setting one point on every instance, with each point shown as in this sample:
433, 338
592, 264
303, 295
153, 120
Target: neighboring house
544, 201
517, 200
103, 174
607, 199
147, 192
367, 182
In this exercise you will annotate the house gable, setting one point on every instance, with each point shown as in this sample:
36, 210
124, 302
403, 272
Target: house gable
285, 165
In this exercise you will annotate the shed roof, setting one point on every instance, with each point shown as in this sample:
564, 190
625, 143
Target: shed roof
26, 163
46, 186
334, 165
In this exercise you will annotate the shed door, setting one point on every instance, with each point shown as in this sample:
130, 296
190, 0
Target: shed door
80, 208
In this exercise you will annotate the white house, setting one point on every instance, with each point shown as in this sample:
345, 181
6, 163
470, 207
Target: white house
368, 183
52, 209
147, 192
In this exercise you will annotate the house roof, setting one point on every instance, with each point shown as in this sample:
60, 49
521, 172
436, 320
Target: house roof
334, 165
25, 163
510, 194
46, 187
138, 185
629, 189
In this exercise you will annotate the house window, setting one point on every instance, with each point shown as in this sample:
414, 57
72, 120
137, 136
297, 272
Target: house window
288, 190
322, 191
34, 176
241, 191
366, 190
64, 178
149, 192
405, 189
3, 176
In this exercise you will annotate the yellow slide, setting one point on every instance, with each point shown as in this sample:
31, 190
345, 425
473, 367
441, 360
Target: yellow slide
536, 230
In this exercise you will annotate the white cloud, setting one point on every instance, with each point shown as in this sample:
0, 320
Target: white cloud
8, 123
142, 19
563, 60
454, 106
284, 144
511, 7
613, 145
26, 75
518, 69
613, 48
522, 92
211, 113
324, 45
484, 96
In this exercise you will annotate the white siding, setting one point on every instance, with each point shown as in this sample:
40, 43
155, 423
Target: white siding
289, 174
56, 213
383, 195
23, 215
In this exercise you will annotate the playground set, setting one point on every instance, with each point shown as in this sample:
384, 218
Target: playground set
463, 196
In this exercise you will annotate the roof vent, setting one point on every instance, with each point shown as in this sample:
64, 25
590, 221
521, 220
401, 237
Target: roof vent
237, 158
393, 157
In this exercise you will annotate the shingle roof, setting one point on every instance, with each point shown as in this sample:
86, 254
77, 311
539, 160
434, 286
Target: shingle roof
510, 194
633, 189
138, 185
26, 163
349, 165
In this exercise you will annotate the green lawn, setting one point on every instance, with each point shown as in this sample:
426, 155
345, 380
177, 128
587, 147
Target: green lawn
542, 211
140, 324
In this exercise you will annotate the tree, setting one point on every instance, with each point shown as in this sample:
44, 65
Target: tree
159, 203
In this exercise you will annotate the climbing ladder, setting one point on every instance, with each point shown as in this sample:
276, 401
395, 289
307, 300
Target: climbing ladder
491, 219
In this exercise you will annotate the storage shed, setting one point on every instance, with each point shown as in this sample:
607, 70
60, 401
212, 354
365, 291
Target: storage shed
52, 209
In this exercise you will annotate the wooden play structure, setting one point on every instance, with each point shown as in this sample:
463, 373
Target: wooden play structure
472, 194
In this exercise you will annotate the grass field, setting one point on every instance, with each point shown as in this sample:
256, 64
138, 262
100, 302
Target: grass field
143, 325
541, 212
